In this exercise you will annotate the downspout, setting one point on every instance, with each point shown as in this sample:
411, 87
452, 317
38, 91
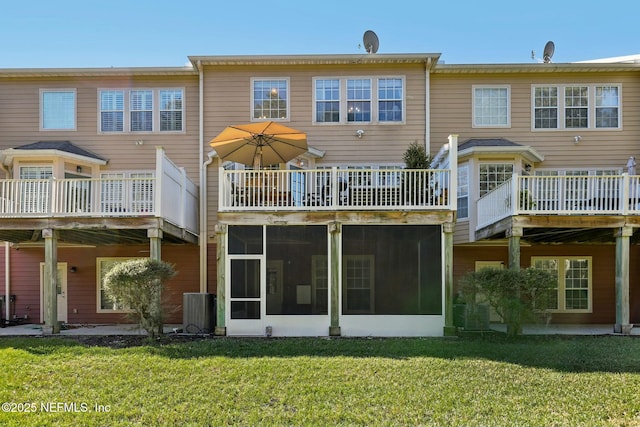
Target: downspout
427, 107
202, 240
203, 224
7, 280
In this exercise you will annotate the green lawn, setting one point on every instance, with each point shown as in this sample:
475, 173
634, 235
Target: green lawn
581, 381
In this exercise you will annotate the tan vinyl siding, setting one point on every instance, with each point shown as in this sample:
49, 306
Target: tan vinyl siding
227, 101
20, 116
451, 112
461, 232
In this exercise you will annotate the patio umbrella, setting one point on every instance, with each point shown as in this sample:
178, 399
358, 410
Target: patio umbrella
259, 144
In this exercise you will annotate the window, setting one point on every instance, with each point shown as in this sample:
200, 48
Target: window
545, 101
463, 191
576, 110
359, 100
607, 102
170, 110
491, 106
141, 110
492, 175
270, 99
573, 294
390, 100
58, 109
327, 101
576, 107
104, 303
358, 282
141, 107
112, 111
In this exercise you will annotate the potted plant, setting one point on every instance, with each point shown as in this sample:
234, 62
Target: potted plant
416, 158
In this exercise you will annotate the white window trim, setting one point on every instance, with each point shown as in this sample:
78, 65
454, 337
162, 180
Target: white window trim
374, 100
75, 109
155, 93
473, 104
484, 163
561, 284
469, 180
371, 288
99, 260
288, 99
591, 119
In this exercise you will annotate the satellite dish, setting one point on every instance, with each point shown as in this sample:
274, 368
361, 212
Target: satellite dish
549, 48
370, 40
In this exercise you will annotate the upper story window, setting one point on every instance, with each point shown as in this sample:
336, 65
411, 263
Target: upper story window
359, 100
270, 99
491, 106
576, 107
58, 109
141, 110
390, 96
171, 110
328, 100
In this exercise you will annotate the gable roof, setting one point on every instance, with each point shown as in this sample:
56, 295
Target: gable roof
487, 142
497, 146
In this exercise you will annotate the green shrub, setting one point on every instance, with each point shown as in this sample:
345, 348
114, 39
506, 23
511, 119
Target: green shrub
517, 296
138, 285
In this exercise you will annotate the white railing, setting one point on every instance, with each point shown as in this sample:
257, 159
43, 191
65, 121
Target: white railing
561, 195
496, 204
168, 194
335, 189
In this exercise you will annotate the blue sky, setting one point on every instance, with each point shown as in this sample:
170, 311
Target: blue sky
130, 33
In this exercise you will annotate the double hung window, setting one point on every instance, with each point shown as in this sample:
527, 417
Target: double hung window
576, 107
359, 100
141, 110
573, 293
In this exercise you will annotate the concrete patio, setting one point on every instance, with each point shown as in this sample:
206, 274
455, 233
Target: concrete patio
71, 330
130, 329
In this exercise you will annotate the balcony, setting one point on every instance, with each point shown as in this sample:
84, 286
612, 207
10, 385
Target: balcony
335, 190
164, 193
560, 195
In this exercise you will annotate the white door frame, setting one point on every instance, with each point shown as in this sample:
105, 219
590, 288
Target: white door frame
250, 327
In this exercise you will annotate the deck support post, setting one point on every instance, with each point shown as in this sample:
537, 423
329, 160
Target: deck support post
449, 327
155, 243
514, 234
221, 249
50, 285
623, 237
335, 230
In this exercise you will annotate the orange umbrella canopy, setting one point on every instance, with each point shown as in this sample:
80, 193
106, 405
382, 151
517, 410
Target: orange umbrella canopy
258, 144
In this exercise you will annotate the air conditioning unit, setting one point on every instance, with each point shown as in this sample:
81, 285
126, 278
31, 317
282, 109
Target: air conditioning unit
198, 313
